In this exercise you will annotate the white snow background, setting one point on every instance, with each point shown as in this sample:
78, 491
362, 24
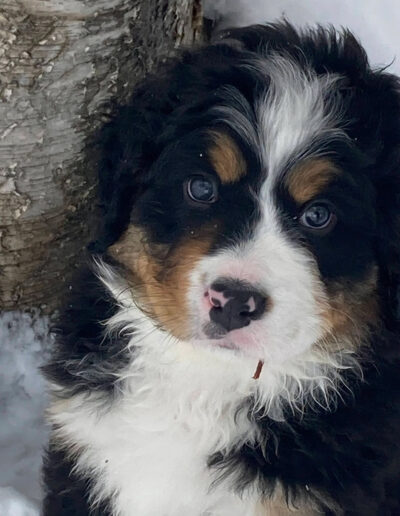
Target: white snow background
24, 345
24, 339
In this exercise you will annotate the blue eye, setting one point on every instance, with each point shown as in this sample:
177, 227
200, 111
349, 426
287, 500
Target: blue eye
318, 216
202, 189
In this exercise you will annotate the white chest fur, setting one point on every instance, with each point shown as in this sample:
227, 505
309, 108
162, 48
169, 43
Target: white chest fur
148, 450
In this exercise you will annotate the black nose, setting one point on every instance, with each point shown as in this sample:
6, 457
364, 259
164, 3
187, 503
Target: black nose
235, 304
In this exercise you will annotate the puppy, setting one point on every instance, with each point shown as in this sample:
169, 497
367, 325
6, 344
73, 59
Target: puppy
233, 349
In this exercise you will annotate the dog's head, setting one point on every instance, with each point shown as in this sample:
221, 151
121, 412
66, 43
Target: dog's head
252, 194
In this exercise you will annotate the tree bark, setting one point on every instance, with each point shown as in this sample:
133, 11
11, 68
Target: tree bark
62, 62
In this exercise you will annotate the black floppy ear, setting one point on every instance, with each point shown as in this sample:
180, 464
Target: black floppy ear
387, 185
128, 145
388, 194
121, 172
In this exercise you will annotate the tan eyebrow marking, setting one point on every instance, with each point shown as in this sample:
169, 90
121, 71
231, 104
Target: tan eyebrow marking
308, 179
226, 158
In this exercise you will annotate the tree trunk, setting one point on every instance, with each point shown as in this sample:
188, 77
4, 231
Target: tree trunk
61, 63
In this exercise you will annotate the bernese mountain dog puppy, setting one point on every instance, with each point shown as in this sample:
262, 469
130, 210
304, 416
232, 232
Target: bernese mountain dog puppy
234, 348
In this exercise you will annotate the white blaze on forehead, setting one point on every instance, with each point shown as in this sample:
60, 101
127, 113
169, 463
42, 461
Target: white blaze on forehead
290, 119
295, 114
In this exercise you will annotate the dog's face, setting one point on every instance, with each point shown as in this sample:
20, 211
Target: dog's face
265, 192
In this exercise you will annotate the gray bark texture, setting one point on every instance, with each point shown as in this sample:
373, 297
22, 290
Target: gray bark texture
62, 62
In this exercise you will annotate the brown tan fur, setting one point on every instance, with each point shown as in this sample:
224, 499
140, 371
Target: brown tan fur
309, 179
352, 309
160, 275
226, 158
277, 506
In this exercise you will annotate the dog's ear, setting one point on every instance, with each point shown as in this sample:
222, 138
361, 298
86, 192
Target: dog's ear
388, 234
127, 147
387, 184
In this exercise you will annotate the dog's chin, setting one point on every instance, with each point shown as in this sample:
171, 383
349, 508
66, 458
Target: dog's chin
238, 342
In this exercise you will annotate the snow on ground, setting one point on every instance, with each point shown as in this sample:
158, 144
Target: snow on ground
13, 503
375, 22
24, 344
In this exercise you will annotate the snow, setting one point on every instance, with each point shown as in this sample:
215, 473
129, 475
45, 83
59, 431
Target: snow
24, 345
375, 22
13, 503
24, 338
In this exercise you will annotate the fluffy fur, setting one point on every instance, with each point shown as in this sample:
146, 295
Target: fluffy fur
156, 410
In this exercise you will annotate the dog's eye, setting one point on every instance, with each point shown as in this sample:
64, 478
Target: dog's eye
318, 216
202, 189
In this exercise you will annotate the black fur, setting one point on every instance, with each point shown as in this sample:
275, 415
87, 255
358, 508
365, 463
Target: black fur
85, 359
66, 493
347, 459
